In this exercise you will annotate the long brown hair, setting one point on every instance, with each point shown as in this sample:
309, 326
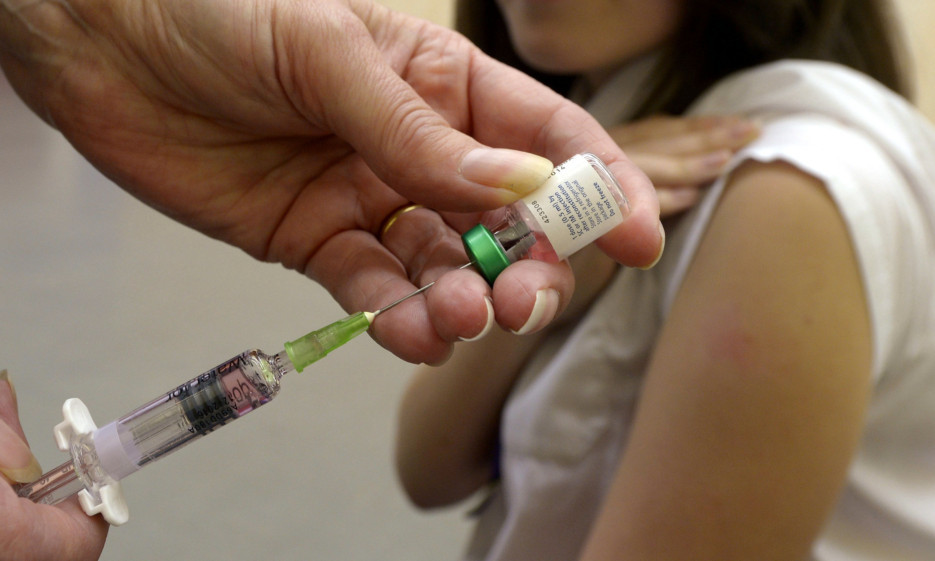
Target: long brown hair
718, 37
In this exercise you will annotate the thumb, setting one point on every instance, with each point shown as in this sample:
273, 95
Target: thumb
410, 146
17, 464
9, 408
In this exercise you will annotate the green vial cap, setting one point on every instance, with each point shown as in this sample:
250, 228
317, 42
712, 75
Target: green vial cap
485, 252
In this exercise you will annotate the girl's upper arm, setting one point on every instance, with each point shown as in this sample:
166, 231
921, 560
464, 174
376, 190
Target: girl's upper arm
753, 401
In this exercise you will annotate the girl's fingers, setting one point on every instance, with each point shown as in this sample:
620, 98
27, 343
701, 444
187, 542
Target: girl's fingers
730, 135
667, 170
685, 135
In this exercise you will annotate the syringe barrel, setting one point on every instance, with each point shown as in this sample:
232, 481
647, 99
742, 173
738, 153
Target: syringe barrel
187, 412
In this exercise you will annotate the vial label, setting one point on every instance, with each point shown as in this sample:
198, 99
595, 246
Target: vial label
574, 206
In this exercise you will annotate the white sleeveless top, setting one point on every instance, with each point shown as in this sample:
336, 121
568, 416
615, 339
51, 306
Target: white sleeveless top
566, 422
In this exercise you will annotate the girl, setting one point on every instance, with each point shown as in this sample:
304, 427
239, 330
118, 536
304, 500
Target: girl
767, 391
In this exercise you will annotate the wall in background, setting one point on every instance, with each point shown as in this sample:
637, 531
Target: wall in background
918, 18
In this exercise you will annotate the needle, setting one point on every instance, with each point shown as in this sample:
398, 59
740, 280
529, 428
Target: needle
410, 295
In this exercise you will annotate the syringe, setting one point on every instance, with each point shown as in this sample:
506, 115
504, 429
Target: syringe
101, 457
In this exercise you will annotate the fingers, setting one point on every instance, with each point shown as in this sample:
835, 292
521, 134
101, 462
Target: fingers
675, 169
420, 248
461, 305
673, 200
362, 275
729, 135
564, 129
36, 531
525, 298
406, 142
687, 135
9, 407
661, 126
516, 111
530, 294
402, 93
17, 463
412, 147
682, 154
639, 241
32, 531
425, 244
684, 151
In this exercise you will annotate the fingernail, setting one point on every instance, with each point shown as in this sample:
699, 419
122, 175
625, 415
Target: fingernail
19, 464
713, 121
543, 311
26, 474
744, 129
5, 377
675, 200
716, 160
487, 326
516, 171
662, 248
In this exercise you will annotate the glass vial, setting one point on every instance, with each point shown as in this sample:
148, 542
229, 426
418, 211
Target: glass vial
580, 202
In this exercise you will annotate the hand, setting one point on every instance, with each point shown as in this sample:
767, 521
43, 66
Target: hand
682, 154
30, 531
292, 129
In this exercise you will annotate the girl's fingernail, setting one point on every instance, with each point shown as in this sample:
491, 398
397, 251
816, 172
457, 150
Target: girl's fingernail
677, 199
519, 172
543, 311
487, 326
716, 160
745, 129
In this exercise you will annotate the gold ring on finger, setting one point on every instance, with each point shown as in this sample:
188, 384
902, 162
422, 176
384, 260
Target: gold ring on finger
393, 216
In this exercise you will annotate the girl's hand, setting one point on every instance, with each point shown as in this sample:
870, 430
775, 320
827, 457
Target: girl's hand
683, 154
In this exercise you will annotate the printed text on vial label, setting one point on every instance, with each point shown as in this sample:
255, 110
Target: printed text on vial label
579, 212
